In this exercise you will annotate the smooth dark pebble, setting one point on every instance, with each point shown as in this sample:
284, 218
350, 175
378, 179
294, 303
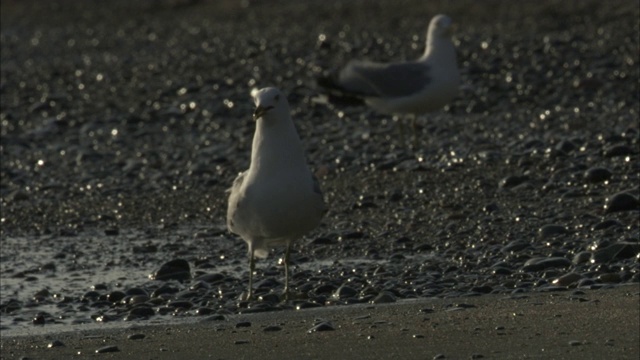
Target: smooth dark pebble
618, 150
621, 202
39, 319
107, 349
597, 174
136, 336
240, 342
55, 343
609, 278
383, 298
567, 279
216, 317
581, 257
617, 251
515, 246
418, 336
552, 230
243, 324
512, 181
323, 326
606, 224
177, 269
344, 292
575, 343
439, 356
271, 328
543, 263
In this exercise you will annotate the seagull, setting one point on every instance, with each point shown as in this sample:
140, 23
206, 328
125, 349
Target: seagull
277, 200
404, 88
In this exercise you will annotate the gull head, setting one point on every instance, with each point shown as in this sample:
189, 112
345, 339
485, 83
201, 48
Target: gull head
440, 26
267, 101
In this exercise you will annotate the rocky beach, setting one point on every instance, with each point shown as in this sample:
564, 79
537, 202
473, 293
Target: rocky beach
124, 123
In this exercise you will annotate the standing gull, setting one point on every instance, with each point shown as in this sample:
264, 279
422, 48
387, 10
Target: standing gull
404, 88
277, 200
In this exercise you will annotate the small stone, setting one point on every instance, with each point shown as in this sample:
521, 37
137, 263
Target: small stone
418, 336
596, 175
272, 328
136, 336
567, 279
383, 298
621, 202
107, 349
606, 224
515, 246
552, 230
609, 278
618, 150
323, 326
243, 324
55, 343
344, 292
542, 263
177, 269
616, 251
581, 257
512, 181
575, 343
240, 342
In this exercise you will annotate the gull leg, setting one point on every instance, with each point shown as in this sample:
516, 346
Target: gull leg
252, 267
287, 255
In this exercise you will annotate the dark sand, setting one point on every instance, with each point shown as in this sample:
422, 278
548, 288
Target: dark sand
595, 325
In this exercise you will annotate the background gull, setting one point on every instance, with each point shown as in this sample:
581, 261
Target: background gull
277, 200
404, 88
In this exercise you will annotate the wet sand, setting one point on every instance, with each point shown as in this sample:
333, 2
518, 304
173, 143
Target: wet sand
603, 324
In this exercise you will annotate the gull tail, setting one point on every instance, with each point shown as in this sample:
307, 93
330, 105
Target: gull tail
336, 93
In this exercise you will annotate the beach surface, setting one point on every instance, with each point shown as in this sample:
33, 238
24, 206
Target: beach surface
591, 325
504, 226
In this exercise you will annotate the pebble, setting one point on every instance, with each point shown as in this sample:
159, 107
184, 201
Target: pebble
567, 279
512, 181
272, 328
621, 202
552, 230
55, 343
177, 269
322, 326
543, 263
107, 349
518, 180
384, 297
597, 174
136, 336
616, 251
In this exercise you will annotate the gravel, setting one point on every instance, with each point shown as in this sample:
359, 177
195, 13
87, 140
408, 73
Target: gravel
122, 125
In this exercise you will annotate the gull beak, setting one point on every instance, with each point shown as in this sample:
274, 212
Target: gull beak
257, 114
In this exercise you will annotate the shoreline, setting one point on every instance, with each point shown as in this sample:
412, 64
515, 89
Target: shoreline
562, 325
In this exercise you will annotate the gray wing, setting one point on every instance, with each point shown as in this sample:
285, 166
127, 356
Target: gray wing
385, 80
234, 200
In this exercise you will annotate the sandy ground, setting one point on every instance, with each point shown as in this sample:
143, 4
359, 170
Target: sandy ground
602, 324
